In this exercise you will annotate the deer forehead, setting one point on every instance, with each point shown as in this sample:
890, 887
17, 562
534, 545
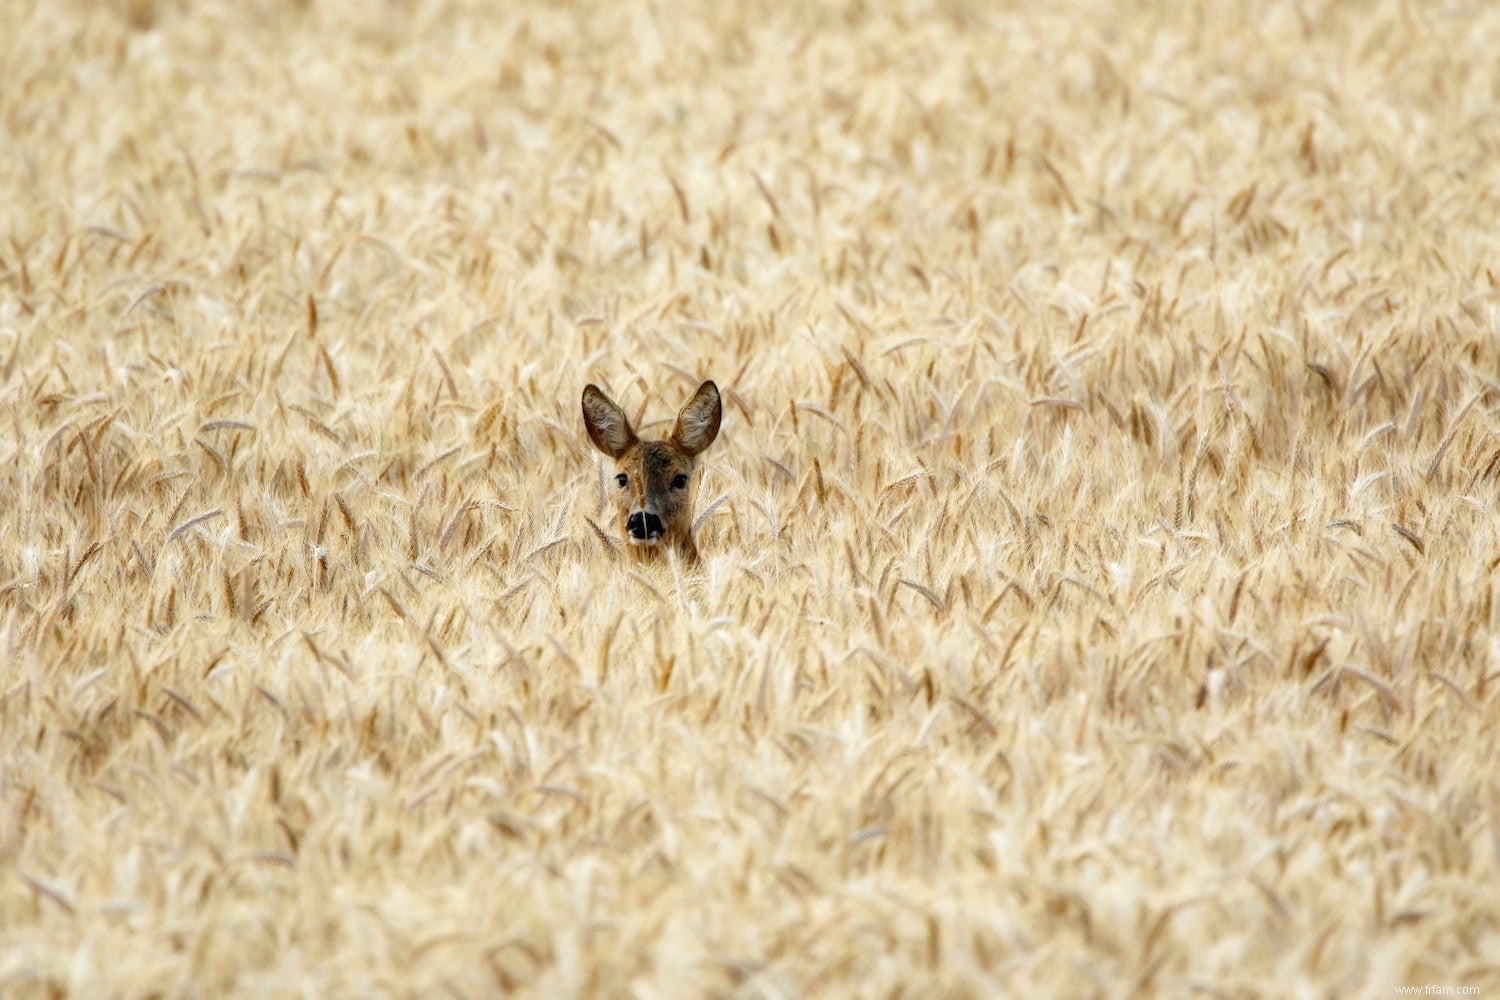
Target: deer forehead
655, 457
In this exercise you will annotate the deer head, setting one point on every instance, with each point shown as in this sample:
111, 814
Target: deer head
653, 479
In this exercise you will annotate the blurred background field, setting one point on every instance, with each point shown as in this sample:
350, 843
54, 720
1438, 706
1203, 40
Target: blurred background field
1099, 551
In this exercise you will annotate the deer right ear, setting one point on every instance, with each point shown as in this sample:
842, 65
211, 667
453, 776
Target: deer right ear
698, 423
607, 424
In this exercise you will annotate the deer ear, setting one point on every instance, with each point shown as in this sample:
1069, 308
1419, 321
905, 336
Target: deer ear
698, 423
607, 424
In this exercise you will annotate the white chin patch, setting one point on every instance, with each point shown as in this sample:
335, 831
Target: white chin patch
644, 541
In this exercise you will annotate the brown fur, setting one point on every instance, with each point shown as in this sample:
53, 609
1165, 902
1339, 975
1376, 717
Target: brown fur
651, 467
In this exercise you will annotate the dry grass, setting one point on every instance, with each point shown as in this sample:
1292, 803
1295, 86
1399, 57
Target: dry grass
1098, 595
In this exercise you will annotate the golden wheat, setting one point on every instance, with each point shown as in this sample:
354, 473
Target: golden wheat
1098, 578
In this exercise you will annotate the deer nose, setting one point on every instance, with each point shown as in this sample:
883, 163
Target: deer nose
644, 525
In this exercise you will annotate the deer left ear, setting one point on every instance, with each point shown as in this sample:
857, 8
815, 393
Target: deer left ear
698, 423
607, 424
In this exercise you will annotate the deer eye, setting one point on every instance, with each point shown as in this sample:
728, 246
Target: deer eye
679, 482
623, 480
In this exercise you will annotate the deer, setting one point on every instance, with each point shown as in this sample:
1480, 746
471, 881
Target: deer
654, 482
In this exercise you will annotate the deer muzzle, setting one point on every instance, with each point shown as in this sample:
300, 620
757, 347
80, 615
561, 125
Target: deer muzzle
645, 528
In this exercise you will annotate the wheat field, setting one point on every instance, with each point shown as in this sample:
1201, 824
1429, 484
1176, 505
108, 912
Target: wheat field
1099, 553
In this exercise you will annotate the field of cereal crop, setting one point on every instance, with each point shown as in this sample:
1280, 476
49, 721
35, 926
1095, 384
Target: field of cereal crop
1099, 553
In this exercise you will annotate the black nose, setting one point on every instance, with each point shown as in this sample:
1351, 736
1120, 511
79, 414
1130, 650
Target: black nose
644, 526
